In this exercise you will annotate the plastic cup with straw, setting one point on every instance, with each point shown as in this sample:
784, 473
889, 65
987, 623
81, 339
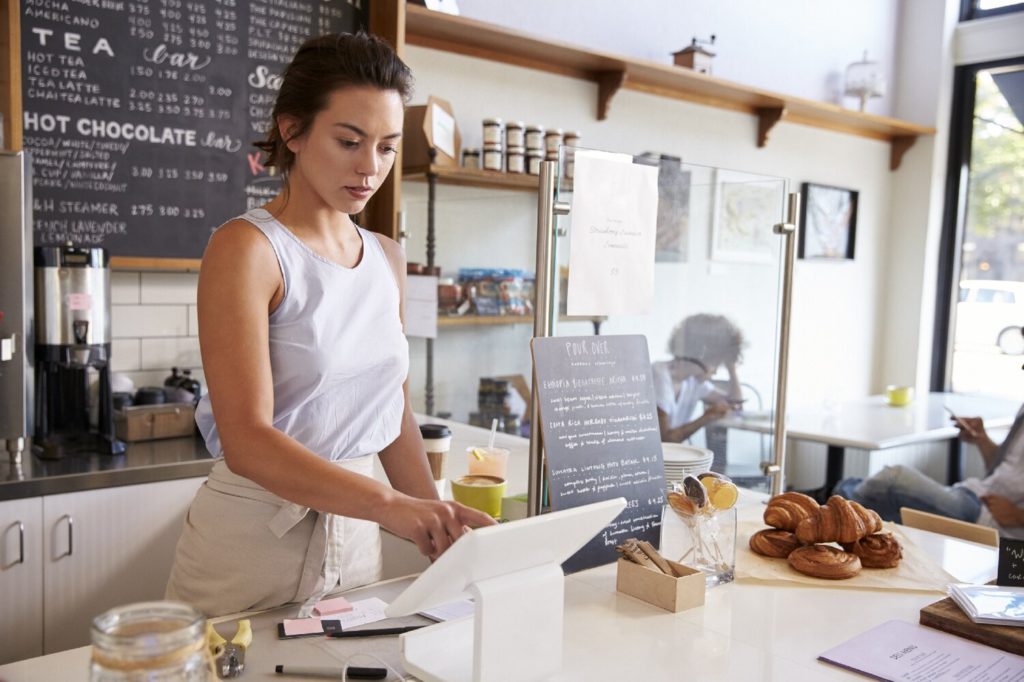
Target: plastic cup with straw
490, 460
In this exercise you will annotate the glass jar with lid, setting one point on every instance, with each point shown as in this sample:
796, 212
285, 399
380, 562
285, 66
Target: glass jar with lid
493, 157
571, 140
492, 131
533, 160
534, 136
156, 641
552, 141
471, 157
515, 160
514, 136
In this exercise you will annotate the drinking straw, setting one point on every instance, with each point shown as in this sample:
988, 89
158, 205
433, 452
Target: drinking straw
494, 431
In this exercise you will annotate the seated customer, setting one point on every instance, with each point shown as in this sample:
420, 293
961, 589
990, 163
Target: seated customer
997, 500
699, 345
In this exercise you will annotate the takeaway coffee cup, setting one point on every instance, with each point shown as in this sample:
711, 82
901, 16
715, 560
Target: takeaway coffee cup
480, 492
437, 439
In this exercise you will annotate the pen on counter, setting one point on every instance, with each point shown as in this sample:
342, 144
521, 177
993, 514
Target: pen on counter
375, 633
354, 672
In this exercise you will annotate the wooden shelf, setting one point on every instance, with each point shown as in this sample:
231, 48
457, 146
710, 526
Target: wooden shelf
483, 320
611, 73
473, 177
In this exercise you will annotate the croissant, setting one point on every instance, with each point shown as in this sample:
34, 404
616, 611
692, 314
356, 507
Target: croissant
824, 561
787, 510
880, 550
772, 542
839, 520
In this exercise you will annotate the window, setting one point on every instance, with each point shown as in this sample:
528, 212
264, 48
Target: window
978, 9
978, 333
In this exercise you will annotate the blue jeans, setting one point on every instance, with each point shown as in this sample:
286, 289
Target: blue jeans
899, 486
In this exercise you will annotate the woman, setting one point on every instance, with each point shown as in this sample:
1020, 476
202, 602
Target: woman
300, 326
699, 345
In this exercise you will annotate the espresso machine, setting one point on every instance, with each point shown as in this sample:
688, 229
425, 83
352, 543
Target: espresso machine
72, 328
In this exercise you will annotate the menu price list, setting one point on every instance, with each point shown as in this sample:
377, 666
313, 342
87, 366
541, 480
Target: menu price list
601, 435
140, 114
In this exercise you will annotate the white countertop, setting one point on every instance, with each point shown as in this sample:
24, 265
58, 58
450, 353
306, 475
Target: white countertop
744, 631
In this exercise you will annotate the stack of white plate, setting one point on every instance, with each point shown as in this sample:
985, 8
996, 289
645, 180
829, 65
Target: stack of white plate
681, 460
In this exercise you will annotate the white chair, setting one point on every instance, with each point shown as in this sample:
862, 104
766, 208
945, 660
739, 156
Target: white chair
983, 535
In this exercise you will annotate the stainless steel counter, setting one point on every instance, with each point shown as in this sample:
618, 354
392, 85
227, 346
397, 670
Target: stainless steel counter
144, 462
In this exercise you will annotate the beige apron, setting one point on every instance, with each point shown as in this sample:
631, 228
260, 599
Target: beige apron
244, 548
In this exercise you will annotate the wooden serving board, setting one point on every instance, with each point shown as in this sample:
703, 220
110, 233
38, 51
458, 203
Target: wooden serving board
945, 615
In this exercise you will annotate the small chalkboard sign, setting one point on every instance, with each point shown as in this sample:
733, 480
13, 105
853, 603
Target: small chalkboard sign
1011, 563
601, 435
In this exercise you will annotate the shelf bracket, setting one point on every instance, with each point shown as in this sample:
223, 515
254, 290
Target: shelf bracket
608, 83
767, 117
899, 146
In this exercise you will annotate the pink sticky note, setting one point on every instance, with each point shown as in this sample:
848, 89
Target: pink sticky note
302, 626
326, 607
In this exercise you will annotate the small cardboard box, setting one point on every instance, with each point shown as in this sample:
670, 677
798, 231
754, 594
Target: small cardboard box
430, 135
151, 422
664, 591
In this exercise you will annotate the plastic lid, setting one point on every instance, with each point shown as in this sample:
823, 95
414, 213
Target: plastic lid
554, 131
514, 124
572, 133
492, 121
534, 126
434, 431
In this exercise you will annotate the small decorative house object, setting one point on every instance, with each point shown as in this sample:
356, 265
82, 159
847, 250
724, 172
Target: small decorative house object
695, 57
864, 80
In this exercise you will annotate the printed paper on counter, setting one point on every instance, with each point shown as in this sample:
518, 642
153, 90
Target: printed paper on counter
898, 650
612, 237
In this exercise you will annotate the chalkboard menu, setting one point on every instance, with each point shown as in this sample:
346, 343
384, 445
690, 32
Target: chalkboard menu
140, 114
1011, 563
601, 435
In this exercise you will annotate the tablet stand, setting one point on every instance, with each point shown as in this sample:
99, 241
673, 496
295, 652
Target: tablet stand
514, 634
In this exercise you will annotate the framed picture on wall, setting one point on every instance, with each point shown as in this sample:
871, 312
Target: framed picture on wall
745, 209
828, 222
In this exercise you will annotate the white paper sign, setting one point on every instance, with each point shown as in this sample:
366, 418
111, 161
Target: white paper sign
612, 238
443, 131
907, 651
421, 306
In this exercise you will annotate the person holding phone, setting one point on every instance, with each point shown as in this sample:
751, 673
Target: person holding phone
996, 500
700, 345
301, 332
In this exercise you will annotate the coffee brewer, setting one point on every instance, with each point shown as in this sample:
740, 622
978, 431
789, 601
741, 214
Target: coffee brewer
72, 287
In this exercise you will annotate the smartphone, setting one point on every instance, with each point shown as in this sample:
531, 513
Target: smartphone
960, 422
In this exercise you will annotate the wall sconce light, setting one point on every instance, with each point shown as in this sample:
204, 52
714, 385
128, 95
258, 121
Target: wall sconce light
864, 80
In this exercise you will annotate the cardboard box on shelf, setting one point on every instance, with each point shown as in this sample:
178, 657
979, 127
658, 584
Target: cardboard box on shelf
430, 135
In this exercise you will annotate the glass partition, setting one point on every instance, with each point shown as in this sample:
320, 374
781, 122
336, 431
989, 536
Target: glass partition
717, 270
713, 327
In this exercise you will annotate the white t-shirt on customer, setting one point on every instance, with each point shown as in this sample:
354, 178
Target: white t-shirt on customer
678, 406
1007, 480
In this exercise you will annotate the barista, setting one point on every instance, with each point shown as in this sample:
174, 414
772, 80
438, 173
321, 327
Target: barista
300, 326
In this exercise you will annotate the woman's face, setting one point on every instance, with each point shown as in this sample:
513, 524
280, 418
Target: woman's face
349, 149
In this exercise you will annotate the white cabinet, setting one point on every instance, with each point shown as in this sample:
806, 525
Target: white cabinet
21, 579
90, 551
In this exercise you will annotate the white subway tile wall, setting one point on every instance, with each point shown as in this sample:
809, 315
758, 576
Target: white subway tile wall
153, 325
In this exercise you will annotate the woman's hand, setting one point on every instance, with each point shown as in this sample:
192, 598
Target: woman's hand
1006, 513
431, 524
972, 429
715, 411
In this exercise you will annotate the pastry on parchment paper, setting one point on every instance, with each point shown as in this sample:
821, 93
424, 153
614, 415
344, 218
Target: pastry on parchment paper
824, 561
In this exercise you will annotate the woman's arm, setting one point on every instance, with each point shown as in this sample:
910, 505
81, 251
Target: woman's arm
239, 285
683, 431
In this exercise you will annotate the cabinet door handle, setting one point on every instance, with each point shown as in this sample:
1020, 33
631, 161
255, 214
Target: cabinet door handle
71, 535
21, 543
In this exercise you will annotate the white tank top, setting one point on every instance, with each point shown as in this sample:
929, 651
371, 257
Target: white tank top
338, 356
